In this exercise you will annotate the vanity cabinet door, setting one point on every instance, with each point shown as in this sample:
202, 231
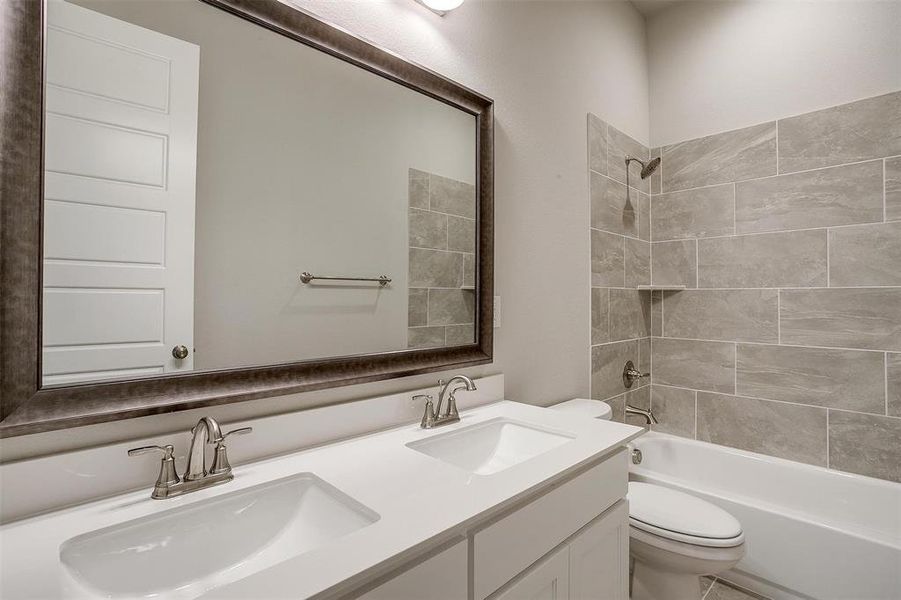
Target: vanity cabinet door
548, 580
599, 557
442, 577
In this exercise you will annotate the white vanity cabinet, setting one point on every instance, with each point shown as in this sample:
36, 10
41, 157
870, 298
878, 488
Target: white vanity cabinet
569, 542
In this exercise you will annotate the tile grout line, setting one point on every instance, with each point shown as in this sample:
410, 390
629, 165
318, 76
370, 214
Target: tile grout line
755, 343
768, 232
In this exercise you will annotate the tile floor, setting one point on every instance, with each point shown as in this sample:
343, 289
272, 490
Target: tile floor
717, 589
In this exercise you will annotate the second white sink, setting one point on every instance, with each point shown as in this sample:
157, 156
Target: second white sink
491, 446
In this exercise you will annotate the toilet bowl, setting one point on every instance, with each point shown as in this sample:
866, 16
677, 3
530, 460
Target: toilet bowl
674, 537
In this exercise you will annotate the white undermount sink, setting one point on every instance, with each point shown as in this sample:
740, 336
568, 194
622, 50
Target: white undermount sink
491, 446
183, 552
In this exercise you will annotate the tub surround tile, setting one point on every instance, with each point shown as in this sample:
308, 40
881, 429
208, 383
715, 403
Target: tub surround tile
697, 213
428, 229
418, 307
893, 189
418, 189
893, 383
865, 255
656, 313
852, 132
630, 314
845, 195
644, 217
619, 146
459, 335
435, 268
675, 409
597, 144
425, 337
655, 176
694, 364
845, 379
607, 259
607, 362
728, 315
865, 444
789, 259
674, 263
644, 362
452, 197
600, 310
777, 429
638, 262
611, 209
720, 158
451, 307
461, 234
865, 318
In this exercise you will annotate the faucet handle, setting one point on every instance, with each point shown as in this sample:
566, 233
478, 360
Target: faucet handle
428, 417
168, 475
220, 460
166, 450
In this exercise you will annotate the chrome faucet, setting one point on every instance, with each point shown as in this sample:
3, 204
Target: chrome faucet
647, 414
196, 476
432, 416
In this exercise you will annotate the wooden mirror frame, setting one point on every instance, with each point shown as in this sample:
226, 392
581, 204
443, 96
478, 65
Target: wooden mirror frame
27, 408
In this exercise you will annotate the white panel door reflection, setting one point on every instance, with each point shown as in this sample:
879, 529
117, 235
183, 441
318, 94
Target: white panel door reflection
119, 198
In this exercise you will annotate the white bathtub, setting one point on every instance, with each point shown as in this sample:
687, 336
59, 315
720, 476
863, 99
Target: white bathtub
811, 532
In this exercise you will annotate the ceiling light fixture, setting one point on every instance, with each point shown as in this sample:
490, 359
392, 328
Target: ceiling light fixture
441, 7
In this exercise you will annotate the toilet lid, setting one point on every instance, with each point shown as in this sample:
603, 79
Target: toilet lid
594, 409
662, 511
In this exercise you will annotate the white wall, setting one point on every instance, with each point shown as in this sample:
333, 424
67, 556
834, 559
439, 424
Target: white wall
717, 66
546, 64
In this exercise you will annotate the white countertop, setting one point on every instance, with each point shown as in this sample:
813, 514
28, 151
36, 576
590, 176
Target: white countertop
421, 502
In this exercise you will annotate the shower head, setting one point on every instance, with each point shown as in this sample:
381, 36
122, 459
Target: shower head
646, 168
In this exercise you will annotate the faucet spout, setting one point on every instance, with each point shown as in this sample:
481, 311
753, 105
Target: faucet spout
205, 432
647, 414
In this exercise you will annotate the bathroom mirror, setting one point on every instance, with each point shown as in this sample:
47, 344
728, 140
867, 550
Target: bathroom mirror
222, 200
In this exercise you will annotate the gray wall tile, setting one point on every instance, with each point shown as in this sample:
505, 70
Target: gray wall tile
785, 430
451, 307
607, 363
729, 315
644, 217
893, 189
702, 212
720, 158
418, 307
428, 229
418, 188
789, 259
865, 444
644, 361
434, 268
611, 210
630, 314
620, 145
674, 263
657, 313
600, 310
692, 364
843, 195
847, 133
469, 274
452, 197
893, 383
461, 234
638, 262
847, 379
655, 176
865, 255
607, 259
869, 319
597, 144
425, 337
459, 335
675, 409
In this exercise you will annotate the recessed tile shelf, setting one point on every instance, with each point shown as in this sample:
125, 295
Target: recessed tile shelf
663, 288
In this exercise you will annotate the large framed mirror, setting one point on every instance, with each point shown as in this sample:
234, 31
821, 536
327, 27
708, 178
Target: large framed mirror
210, 201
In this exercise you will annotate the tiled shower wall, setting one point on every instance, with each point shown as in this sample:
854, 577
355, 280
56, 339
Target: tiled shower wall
442, 232
620, 261
787, 341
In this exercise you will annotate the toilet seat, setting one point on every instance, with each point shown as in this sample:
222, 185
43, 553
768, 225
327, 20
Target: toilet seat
681, 517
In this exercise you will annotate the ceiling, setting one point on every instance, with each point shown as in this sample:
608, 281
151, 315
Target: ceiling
652, 7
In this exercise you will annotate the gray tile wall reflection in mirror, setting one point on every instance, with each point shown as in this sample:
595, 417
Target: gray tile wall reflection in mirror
187, 193
788, 236
442, 231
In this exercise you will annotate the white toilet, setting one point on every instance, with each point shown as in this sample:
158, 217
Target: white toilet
674, 537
